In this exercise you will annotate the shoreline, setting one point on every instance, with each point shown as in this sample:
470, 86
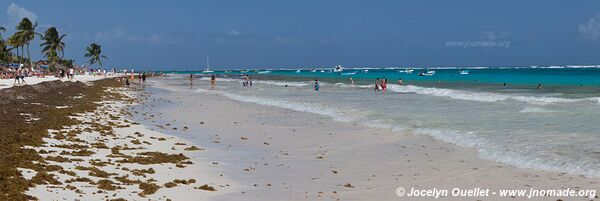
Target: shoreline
402, 159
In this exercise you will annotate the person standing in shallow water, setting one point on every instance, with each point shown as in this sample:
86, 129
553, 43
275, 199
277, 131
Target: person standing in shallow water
383, 85
213, 81
377, 85
317, 85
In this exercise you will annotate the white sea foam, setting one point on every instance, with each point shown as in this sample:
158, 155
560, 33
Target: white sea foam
483, 96
303, 107
534, 110
441, 92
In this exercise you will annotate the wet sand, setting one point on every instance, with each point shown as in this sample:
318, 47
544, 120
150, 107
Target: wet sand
281, 154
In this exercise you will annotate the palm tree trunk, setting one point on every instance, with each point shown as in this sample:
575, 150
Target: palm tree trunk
29, 56
18, 59
22, 54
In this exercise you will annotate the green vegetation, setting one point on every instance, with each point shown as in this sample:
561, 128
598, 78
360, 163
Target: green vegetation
94, 52
13, 49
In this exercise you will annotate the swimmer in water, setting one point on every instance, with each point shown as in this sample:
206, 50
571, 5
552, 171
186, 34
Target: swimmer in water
317, 85
400, 82
540, 86
377, 85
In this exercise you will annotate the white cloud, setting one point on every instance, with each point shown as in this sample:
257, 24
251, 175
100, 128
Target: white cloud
16, 13
591, 30
234, 33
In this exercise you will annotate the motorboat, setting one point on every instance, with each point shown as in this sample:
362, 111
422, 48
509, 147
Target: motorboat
427, 73
338, 69
410, 70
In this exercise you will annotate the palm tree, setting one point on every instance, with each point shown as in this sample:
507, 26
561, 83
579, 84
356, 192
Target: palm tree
94, 52
53, 44
26, 31
4, 52
15, 41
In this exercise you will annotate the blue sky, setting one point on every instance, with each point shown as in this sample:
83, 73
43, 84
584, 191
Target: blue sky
278, 33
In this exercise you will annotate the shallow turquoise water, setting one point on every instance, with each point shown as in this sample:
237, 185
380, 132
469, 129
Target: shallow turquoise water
513, 76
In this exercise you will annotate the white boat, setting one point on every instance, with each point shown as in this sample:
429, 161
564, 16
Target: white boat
207, 70
338, 68
365, 71
297, 71
313, 70
464, 72
428, 73
408, 71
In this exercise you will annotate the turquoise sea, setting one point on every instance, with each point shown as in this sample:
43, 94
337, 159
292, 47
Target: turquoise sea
498, 111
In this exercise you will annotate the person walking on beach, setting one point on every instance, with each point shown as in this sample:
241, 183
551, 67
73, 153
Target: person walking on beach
377, 85
191, 79
23, 73
17, 77
144, 78
213, 81
72, 73
383, 85
351, 80
317, 85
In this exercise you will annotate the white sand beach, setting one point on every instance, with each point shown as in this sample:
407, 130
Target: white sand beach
6, 83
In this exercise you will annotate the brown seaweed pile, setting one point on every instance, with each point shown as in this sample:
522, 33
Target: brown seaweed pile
27, 114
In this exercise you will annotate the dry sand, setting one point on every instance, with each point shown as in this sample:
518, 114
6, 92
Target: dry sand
6, 83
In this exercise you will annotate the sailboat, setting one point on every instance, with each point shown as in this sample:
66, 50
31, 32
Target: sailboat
207, 70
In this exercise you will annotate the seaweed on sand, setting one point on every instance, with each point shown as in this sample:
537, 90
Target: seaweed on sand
146, 158
17, 132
